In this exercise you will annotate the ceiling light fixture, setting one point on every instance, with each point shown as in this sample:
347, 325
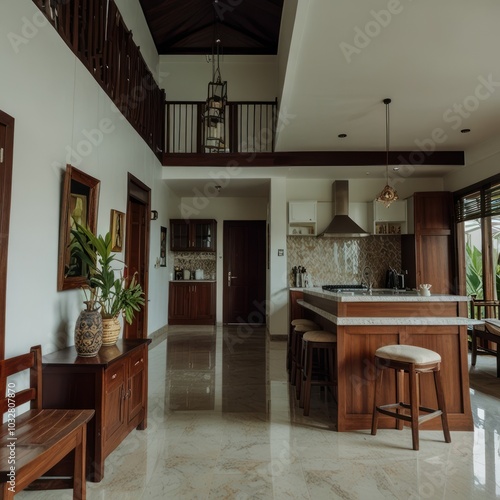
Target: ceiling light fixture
388, 194
215, 105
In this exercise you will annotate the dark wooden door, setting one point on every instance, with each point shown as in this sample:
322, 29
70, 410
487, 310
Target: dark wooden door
244, 272
6, 150
137, 250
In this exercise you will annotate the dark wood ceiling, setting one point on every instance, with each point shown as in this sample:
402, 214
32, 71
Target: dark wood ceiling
187, 26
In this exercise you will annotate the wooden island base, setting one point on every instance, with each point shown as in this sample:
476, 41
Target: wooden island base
364, 323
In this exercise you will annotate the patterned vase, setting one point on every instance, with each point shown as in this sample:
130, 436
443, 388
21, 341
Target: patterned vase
88, 332
110, 330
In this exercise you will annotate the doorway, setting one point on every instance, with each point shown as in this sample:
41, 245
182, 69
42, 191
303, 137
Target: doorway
244, 272
137, 250
6, 158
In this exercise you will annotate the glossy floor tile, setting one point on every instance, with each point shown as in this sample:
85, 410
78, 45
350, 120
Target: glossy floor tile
224, 424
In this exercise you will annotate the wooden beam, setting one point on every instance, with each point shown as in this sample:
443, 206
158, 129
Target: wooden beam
315, 158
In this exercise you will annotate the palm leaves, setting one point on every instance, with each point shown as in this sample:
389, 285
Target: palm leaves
114, 295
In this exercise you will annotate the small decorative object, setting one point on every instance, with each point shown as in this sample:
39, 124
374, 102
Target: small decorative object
117, 230
425, 289
115, 295
88, 331
163, 246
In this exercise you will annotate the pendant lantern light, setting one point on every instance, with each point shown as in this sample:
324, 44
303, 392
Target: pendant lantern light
215, 106
388, 194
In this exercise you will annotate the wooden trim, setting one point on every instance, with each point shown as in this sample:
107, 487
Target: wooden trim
311, 158
7, 142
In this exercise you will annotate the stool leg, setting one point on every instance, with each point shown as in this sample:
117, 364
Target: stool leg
293, 367
378, 385
474, 348
400, 380
299, 374
442, 405
307, 377
414, 406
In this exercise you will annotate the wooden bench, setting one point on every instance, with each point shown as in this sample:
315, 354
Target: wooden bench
35, 441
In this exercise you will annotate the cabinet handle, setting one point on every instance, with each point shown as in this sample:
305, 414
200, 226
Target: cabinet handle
114, 376
137, 362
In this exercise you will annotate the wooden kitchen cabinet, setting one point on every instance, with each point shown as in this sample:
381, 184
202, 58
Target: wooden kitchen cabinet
428, 253
195, 235
191, 303
114, 383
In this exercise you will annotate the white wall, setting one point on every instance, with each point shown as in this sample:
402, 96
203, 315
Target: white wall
249, 78
482, 161
278, 277
59, 109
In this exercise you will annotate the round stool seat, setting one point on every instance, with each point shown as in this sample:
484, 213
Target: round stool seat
319, 336
408, 354
306, 328
302, 321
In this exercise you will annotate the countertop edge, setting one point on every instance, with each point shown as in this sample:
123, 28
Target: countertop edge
388, 321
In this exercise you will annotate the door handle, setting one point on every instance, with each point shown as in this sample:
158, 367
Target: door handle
229, 278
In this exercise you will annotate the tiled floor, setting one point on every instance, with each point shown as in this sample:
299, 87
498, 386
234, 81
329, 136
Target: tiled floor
222, 425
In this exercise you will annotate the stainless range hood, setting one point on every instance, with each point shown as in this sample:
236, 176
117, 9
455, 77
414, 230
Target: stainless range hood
342, 226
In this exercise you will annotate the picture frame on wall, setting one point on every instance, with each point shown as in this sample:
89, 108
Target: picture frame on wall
117, 229
80, 199
163, 246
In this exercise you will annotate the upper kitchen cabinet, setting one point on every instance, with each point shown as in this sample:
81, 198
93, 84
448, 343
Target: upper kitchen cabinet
302, 218
391, 219
427, 253
195, 235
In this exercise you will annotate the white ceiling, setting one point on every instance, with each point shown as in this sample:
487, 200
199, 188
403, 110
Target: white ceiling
430, 57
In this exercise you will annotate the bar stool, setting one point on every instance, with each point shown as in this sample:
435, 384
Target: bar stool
294, 323
414, 361
324, 345
296, 349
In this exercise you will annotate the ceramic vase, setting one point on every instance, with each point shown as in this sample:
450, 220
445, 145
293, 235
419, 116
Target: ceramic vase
88, 332
110, 330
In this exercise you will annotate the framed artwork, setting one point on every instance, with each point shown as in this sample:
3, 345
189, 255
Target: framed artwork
80, 201
117, 227
163, 246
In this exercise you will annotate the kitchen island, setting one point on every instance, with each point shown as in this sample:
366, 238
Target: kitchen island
365, 321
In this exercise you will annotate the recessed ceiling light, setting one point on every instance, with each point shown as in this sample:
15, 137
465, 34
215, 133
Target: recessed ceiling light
396, 169
342, 136
367, 173
465, 130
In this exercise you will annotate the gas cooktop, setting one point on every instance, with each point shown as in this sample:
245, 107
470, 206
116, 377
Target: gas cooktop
338, 288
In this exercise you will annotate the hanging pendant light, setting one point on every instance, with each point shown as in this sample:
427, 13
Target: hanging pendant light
388, 194
215, 106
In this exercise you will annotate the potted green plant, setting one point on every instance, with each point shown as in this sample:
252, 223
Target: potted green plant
114, 294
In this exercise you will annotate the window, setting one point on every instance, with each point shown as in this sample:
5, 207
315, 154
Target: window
478, 229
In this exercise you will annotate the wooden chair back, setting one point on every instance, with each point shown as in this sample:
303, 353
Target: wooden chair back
481, 309
10, 396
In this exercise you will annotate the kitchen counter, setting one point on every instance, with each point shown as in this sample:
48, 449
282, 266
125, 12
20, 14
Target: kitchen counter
364, 322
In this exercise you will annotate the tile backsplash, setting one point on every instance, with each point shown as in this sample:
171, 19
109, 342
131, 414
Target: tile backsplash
197, 260
341, 261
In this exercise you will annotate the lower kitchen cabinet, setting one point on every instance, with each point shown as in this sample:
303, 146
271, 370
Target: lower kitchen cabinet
114, 383
191, 303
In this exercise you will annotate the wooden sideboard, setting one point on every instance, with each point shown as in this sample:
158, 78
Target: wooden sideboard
114, 384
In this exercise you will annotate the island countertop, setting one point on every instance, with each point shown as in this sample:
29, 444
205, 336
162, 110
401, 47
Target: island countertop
382, 295
364, 322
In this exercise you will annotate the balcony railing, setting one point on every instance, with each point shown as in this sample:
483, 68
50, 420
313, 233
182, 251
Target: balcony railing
248, 127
